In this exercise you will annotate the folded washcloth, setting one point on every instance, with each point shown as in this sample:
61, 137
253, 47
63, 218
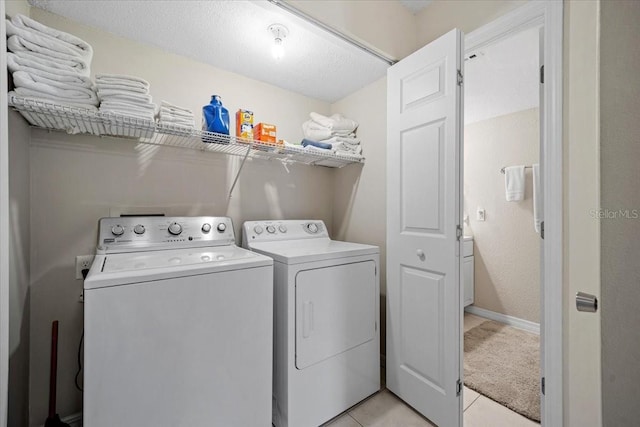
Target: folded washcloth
180, 122
514, 183
308, 142
341, 146
16, 44
41, 85
48, 38
348, 154
37, 60
16, 63
52, 100
122, 80
337, 122
176, 113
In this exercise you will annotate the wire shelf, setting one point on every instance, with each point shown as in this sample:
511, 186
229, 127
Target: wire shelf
76, 120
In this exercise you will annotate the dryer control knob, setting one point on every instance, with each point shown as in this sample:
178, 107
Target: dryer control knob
258, 229
313, 228
271, 229
139, 229
206, 227
175, 228
117, 230
282, 228
221, 227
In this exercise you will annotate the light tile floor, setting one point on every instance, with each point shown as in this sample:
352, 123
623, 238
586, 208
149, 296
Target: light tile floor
384, 409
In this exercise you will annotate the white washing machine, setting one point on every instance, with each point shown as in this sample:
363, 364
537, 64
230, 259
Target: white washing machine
326, 320
177, 326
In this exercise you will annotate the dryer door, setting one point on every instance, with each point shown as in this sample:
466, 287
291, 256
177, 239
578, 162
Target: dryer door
335, 310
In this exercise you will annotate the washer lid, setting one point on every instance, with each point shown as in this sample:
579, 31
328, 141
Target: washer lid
299, 251
134, 267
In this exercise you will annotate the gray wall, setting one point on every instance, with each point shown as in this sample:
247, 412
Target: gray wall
19, 266
620, 182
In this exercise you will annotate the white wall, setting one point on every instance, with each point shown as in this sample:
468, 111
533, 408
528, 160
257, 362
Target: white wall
359, 192
19, 269
75, 180
507, 248
620, 245
582, 396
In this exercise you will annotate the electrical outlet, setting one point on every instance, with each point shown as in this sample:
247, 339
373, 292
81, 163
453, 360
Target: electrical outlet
481, 214
83, 262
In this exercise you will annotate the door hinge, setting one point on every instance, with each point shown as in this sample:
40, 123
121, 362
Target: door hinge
542, 230
542, 385
460, 79
458, 232
542, 74
458, 387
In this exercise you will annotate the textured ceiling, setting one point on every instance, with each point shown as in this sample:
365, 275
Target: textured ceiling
503, 78
415, 6
232, 35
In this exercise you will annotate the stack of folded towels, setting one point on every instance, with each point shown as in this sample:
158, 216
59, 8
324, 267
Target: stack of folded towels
126, 95
49, 65
175, 116
336, 133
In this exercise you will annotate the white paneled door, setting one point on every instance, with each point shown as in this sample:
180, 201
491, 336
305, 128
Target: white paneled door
424, 305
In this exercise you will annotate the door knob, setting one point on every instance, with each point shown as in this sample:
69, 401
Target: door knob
420, 254
586, 302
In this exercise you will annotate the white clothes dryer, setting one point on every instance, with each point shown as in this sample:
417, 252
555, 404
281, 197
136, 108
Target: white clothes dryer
326, 320
177, 326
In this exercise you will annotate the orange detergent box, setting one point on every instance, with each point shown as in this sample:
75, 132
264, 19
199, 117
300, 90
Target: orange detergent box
264, 132
244, 124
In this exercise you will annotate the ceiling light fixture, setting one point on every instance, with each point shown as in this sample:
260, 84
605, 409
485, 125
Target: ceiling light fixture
279, 32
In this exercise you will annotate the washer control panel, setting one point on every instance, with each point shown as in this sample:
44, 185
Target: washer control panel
267, 231
126, 234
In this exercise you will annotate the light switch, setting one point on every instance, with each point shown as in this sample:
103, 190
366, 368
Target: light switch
481, 214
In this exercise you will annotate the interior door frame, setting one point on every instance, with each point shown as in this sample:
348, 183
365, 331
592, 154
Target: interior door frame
548, 13
4, 228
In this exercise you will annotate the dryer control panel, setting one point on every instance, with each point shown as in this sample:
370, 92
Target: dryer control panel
135, 233
291, 229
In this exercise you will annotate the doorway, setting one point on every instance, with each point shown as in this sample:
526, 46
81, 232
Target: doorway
502, 228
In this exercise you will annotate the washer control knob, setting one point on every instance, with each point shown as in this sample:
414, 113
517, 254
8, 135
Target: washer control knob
117, 230
139, 229
175, 228
313, 228
282, 228
206, 227
221, 227
271, 229
258, 229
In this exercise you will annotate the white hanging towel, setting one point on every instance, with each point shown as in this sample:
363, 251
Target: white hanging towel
514, 183
537, 199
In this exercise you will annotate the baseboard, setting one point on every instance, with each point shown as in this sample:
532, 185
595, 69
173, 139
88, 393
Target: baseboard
74, 420
503, 318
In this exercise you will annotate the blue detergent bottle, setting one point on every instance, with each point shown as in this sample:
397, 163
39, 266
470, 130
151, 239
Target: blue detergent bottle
215, 117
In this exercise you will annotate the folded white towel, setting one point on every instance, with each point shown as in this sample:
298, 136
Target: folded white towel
122, 79
17, 44
48, 38
136, 114
538, 203
348, 154
132, 97
337, 122
147, 108
121, 87
20, 92
180, 122
38, 84
48, 63
175, 113
514, 183
169, 106
16, 63
352, 141
341, 146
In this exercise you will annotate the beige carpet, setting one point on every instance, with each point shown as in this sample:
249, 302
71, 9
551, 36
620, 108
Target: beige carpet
502, 363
